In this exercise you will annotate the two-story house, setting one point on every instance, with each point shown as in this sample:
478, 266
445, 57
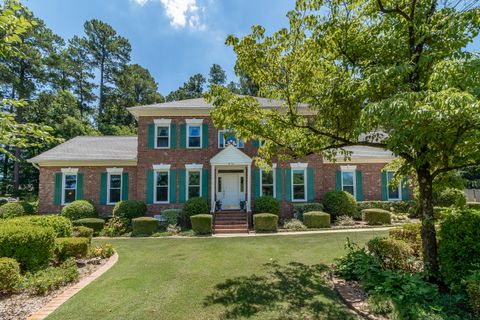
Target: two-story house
179, 154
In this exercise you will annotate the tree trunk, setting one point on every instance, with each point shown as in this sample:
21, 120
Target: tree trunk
100, 100
19, 119
429, 236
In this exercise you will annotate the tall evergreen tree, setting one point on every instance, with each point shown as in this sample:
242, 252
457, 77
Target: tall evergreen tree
217, 75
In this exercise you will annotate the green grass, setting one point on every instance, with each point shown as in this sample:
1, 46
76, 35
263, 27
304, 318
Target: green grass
277, 277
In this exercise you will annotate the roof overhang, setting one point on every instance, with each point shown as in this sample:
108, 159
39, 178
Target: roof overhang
82, 163
231, 156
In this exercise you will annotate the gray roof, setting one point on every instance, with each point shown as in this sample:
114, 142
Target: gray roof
84, 148
360, 152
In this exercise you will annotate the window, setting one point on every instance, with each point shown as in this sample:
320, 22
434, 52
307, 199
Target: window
162, 186
114, 188
163, 136
267, 183
69, 193
194, 136
395, 192
348, 182
194, 183
225, 136
298, 185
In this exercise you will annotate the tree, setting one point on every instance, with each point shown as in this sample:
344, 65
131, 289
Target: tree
217, 75
109, 53
387, 74
191, 89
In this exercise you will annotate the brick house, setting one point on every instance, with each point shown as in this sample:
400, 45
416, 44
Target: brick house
179, 154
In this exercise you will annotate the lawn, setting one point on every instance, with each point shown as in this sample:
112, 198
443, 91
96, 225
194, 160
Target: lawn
278, 277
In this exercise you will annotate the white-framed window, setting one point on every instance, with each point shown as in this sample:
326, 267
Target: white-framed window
348, 179
194, 133
69, 185
393, 193
225, 136
299, 182
162, 133
114, 185
162, 186
194, 183
267, 182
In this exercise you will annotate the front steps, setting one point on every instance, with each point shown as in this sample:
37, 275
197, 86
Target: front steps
231, 222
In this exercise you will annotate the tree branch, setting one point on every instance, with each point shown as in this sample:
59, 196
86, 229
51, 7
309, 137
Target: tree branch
394, 10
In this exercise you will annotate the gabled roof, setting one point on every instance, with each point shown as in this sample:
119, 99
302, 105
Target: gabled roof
231, 156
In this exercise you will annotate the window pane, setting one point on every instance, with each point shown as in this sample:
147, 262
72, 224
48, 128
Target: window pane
242, 184
240, 144
70, 195
298, 177
162, 142
348, 189
162, 178
114, 195
194, 178
267, 177
194, 141
194, 131
298, 192
115, 181
347, 178
393, 193
221, 140
193, 192
219, 184
162, 194
70, 181
267, 191
162, 131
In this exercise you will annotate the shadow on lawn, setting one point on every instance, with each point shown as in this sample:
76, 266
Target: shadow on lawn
292, 291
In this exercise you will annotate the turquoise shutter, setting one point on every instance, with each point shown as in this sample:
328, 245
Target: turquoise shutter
205, 184
103, 188
256, 143
405, 190
80, 186
278, 184
205, 135
149, 186
125, 186
338, 180
182, 184
173, 136
310, 184
359, 185
288, 184
151, 136
173, 186
57, 196
384, 186
183, 135
256, 183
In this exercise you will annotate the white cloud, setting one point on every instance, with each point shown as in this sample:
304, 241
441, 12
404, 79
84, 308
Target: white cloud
182, 13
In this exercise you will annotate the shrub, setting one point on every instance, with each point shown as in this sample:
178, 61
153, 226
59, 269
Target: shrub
16, 209
130, 209
172, 216
105, 250
79, 209
71, 247
345, 221
31, 246
61, 225
396, 207
294, 225
339, 203
202, 223
376, 216
392, 253
473, 205
472, 286
52, 278
411, 234
266, 204
265, 222
300, 208
116, 226
450, 197
83, 232
316, 219
194, 206
9, 274
144, 226
459, 245
356, 264
96, 224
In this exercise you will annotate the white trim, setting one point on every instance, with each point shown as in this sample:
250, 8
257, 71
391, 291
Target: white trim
192, 166
194, 124
169, 131
187, 180
274, 176
162, 121
299, 165
354, 175
109, 174
161, 166
304, 169
348, 168
114, 170
388, 188
194, 121
155, 185
69, 170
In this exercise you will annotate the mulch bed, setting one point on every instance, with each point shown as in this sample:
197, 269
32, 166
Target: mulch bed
21, 305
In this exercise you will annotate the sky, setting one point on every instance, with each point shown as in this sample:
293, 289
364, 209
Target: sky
173, 39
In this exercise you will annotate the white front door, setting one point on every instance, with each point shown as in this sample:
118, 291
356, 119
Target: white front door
231, 189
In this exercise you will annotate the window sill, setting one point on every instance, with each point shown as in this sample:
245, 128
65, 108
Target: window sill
161, 202
301, 200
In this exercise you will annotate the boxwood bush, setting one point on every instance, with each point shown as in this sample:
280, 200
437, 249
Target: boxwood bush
392, 206
391, 253
340, 203
9, 274
202, 223
61, 225
265, 222
300, 208
83, 232
172, 215
376, 216
316, 219
144, 226
449, 197
79, 209
94, 223
31, 246
266, 204
16, 209
193, 207
71, 247
130, 209
411, 234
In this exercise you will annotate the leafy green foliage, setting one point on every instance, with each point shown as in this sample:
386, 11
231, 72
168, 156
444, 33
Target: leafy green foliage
397, 207
83, 232
294, 225
411, 234
194, 206
144, 226
172, 215
450, 197
116, 226
472, 284
9, 274
265, 222
339, 203
96, 224
61, 226
376, 216
392, 253
316, 219
51, 278
15, 209
75, 247
79, 209
130, 209
266, 204
105, 250
202, 223
345, 221
300, 208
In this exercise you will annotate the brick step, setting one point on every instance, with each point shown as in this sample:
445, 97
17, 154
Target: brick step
241, 214
223, 222
231, 226
231, 231
229, 218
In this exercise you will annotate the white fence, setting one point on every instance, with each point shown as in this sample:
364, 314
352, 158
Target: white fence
473, 195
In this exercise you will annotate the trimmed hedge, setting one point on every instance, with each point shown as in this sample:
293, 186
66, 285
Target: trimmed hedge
82, 232
316, 219
172, 215
9, 274
473, 205
265, 222
340, 203
411, 234
193, 207
61, 225
130, 209
16, 209
472, 287
93, 223
71, 247
392, 206
79, 209
376, 216
300, 208
31, 246
450, 197
391, 253
144, 226
266, 205
202, 223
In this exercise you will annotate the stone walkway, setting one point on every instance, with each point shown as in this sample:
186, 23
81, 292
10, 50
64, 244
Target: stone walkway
70, 292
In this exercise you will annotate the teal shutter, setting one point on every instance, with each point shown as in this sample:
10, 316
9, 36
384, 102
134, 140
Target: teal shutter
338, 180
173, 186
278, 184
79, 186
205, 135
256, 143
151, 136
183, 135
405, 190
288, 184
182, 184
205, 184
57, 196
125, 186
149, 186
359, 185
256, 183
384, 186
173, 136
103, 188
310, 184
